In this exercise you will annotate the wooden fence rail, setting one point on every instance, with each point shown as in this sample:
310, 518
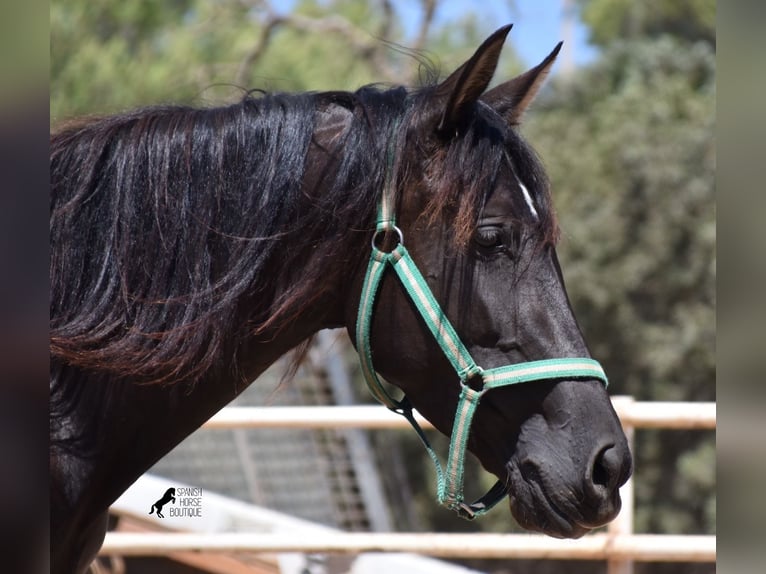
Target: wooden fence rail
641, 547
667, 415
618, 546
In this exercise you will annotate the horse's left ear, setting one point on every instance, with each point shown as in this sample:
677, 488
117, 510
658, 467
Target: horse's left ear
463, 87
513, 97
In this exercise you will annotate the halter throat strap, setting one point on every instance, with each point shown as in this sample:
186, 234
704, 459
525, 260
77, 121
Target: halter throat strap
449, 480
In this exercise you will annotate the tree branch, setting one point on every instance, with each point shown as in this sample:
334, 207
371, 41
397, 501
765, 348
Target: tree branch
429, 9
366, 46
255, 54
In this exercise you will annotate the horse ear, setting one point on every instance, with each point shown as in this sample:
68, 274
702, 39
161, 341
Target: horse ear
464, 86
513, 97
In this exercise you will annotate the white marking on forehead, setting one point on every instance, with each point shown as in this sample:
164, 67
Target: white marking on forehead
528, 198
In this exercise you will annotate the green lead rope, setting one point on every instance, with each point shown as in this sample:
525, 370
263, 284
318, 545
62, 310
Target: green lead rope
449, 481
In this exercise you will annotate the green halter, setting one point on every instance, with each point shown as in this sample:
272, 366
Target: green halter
450, 483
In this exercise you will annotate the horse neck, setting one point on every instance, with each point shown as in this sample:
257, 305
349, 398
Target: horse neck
113, 431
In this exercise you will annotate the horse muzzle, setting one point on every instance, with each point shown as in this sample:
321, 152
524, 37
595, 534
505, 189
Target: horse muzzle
552, 494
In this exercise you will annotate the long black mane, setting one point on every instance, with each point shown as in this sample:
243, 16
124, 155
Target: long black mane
164, 219
174, 228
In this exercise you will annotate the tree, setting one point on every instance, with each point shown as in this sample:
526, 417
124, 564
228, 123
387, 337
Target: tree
111, 56
612, 20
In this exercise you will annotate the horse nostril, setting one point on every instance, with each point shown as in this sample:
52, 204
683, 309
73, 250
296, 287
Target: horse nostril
607, 470
600, 474
610, 466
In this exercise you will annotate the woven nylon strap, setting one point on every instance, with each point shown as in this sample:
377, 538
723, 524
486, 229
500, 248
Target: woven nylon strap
449, 481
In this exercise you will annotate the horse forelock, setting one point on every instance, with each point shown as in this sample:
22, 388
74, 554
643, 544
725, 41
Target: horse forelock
462, 171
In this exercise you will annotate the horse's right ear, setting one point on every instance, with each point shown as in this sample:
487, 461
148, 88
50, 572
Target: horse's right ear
512, 98
456, 95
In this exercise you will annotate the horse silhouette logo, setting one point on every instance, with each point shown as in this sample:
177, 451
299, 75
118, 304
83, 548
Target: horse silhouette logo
169, 496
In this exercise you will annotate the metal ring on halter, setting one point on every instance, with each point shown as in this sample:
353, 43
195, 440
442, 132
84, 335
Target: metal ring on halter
383, 232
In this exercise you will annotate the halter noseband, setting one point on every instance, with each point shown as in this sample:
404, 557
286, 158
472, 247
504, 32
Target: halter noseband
449, 482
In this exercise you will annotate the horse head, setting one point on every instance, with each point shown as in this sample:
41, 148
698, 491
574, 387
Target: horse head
473, 208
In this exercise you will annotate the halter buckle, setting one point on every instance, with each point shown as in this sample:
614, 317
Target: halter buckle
465, 511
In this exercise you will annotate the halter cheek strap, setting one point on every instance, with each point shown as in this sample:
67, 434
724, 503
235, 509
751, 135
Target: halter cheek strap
449, 481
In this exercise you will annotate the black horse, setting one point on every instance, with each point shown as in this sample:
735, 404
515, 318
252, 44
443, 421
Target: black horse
190, 248
169, 496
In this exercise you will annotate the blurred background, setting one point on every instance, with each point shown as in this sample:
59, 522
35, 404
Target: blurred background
625, 127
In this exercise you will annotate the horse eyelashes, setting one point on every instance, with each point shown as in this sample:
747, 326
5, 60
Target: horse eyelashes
489, 237
494, 239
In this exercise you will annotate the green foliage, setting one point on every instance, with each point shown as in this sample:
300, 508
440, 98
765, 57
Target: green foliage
629, 146
611, 20
107, 56
111, 55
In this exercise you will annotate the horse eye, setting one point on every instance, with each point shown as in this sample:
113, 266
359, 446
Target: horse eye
489, 237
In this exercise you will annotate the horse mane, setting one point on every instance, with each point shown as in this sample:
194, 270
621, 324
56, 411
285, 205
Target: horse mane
178, 231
